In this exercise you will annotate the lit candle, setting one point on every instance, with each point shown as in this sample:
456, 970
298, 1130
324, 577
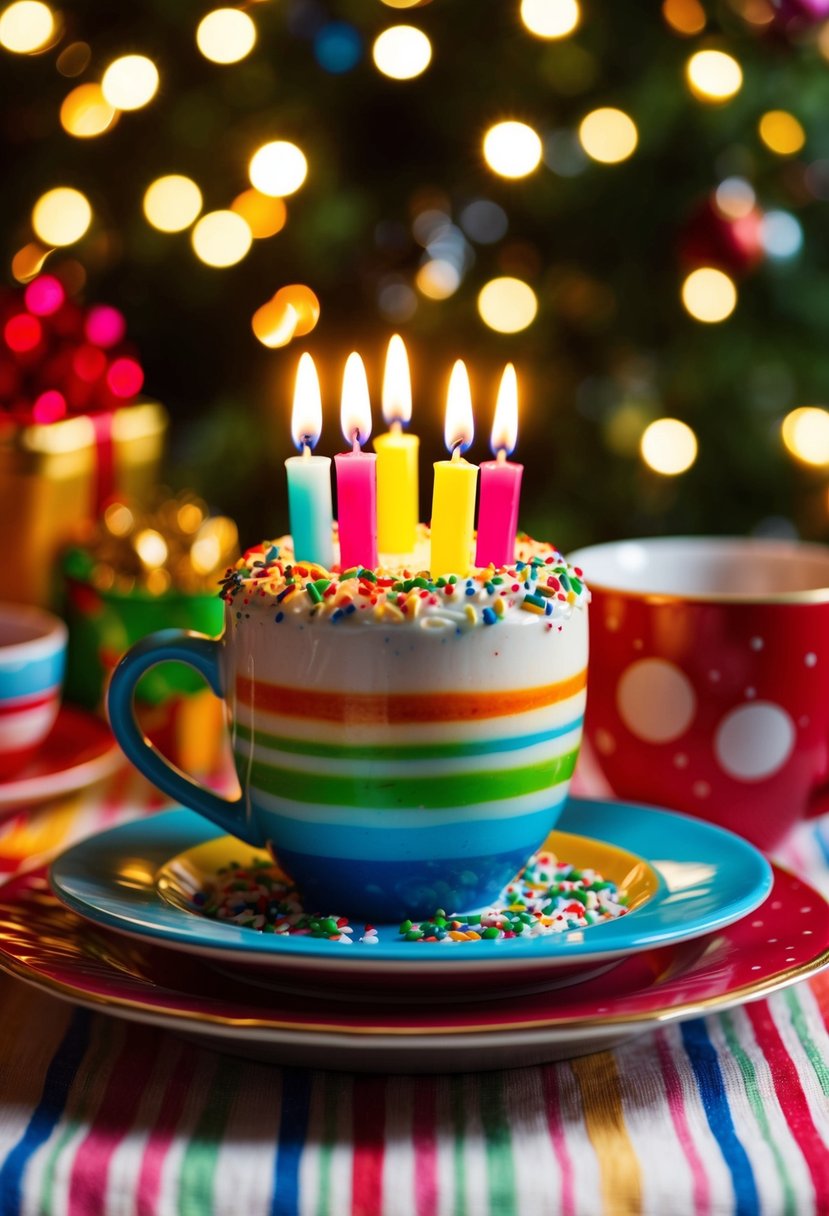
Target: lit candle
500, 481
397, 503
309, 477
453, 495
356, 473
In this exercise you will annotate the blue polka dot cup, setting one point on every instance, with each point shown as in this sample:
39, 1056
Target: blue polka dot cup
394, 766
32, 663
709, 665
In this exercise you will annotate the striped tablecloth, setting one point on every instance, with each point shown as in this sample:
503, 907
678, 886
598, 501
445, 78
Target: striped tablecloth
727, 1114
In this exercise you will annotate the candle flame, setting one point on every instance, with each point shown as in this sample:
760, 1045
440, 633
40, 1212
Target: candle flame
505, 423
459, 427
355, 404
397, 384
306, 415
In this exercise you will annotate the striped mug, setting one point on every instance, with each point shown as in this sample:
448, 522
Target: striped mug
32, 661
391, 770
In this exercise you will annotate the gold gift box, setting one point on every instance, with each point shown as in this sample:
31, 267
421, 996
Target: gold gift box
49, 489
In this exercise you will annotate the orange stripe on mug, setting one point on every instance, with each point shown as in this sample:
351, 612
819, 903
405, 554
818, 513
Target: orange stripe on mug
375, 709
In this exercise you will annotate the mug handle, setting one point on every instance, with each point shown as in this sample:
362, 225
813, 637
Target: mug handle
201, 653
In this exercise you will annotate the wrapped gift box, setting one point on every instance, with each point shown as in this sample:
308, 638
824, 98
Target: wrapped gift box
54, 479
141, 570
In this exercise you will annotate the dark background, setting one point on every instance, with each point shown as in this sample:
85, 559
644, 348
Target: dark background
605, 249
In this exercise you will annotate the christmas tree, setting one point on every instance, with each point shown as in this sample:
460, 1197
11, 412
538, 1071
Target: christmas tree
628, 202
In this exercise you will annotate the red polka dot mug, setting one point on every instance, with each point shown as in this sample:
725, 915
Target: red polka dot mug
708, 694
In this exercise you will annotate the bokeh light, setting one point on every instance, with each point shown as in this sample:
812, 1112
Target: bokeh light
130, 82
221, 238
781, 132
172, 203
49, 407
273, 325
119, 519
263, 214
431, 224
402, 52
608, 135
805, 433
713, 75
151, 547
89, 363
396, 300
85, 112
507, 305
226, 35
512, 149
61, 216
709, 294
278, 168
74, 59
437, 279
292, 313
305, 304
105, 326
550, 18
26, 27
780, 234
338, 47
22, 333
623, 427
28, 261
684, 16
124, 378
668, 446
484, 221
734, 198
44, 296
564, 154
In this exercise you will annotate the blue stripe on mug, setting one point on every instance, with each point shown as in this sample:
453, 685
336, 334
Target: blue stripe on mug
31, 675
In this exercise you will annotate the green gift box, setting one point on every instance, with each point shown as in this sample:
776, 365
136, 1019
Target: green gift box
103, 624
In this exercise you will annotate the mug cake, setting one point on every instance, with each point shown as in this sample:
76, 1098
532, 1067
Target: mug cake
411, 738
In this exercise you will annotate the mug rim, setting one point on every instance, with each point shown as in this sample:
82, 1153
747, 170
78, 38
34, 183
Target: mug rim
51, 633
811, 595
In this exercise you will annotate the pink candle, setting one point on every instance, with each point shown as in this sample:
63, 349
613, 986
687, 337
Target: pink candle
356, 473
500, 482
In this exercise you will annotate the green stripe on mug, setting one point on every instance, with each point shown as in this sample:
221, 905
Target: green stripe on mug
456, 789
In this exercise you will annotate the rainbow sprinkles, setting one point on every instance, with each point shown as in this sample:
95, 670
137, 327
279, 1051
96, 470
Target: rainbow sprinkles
402, 591
549, 897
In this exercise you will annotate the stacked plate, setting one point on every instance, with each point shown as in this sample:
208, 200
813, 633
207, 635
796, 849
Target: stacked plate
711, 924
78, 751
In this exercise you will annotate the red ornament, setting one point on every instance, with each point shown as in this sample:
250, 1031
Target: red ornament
58, 358
105, 326
89, 363
22, 333
44, 295
49, 407
713, 239
125, 378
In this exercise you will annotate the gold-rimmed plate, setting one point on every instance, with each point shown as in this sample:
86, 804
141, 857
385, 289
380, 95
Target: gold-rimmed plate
50, 948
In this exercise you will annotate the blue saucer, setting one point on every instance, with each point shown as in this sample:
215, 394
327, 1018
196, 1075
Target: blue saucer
705, 879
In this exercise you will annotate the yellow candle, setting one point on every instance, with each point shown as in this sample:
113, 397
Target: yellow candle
397, 497
397, 506
456, 480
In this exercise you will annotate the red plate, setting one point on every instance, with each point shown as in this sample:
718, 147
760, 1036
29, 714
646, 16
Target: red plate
42, 942
79, 750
